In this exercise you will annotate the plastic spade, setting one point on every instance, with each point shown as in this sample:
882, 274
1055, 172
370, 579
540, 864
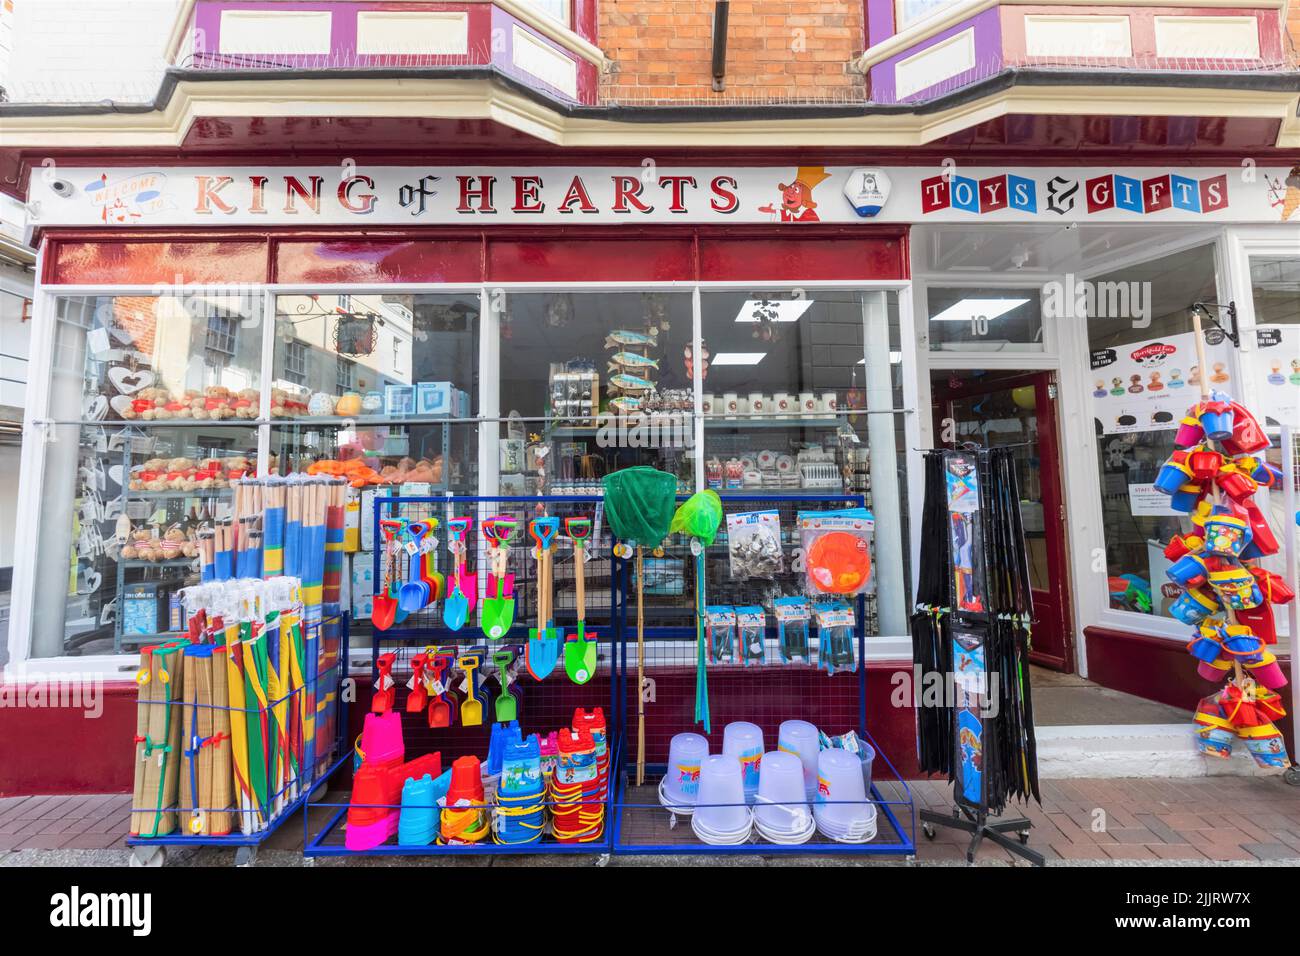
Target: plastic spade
471, 708
456, 608
579, 650
466, 580
499, 605
507, 705
385, 603
543, 649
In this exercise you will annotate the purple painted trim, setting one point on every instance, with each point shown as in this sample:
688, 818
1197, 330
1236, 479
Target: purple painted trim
988, 60
880, 21
503, 54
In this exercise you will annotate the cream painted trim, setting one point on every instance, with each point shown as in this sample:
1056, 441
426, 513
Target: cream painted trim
547, 26
483, 99
176, 38
952, 16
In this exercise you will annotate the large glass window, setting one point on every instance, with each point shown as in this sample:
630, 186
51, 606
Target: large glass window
590, 383
388, 378
1145, 375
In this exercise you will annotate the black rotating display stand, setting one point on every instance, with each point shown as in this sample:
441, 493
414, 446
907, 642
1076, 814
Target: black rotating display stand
981, 637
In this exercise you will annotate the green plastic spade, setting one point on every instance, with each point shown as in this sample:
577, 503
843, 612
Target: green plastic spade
579, 649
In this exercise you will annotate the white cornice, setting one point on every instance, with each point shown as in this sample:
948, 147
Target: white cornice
484, 99
951, 16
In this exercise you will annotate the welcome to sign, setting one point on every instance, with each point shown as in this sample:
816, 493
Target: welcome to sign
795, 194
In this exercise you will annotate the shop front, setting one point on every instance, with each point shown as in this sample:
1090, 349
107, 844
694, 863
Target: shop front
796, 330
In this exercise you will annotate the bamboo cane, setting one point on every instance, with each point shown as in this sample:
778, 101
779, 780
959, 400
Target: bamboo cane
219, 819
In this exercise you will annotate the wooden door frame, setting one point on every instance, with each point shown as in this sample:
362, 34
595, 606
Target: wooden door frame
1044, 382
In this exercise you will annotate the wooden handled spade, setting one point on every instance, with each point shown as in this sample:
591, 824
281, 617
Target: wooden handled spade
579, 648
543, 648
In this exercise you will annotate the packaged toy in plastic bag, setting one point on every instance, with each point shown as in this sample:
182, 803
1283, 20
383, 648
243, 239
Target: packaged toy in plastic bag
792, 617
754, 544
720, 628
835, 625
751, 628
837, 550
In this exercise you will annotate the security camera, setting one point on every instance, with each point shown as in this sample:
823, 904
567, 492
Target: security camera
62, 188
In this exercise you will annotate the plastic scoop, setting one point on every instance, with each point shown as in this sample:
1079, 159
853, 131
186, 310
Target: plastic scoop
507, 705
418, 698
471, 708
439, 705
415, 593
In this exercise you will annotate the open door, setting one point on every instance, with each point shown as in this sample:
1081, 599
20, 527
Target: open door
1019, 410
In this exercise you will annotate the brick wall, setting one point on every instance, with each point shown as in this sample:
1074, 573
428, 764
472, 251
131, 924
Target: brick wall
777, 50
1293, 32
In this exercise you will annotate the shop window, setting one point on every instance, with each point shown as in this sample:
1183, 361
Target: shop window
1275, 292
985, 320
120, 510
1144, 376
786, 388
559, 9
908, 12
379, 377
590, 383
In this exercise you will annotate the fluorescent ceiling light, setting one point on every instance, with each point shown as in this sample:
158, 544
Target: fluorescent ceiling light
787, 310
969, 309
738, 358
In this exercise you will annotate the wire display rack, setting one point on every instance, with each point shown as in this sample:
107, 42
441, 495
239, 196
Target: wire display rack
761, 687
323, 747
544, 706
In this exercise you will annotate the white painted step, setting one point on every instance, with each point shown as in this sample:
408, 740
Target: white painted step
1132, 750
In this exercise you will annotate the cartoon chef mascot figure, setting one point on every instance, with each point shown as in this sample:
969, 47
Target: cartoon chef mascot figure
797, 204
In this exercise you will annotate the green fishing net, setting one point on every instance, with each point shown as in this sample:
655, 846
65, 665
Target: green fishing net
699, 517
639, 504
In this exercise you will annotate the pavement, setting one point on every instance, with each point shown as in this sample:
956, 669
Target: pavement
1207, 821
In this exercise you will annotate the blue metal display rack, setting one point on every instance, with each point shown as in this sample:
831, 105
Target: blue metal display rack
152, 851
544, 705
635, 821
762, 694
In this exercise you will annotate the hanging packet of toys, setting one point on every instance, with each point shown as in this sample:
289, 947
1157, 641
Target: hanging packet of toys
836, 548
751, 630
961, 478
792, 617
720, 631
754, 545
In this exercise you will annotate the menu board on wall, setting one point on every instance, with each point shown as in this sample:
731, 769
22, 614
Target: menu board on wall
1148, 386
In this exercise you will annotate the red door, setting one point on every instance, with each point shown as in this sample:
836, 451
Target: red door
1019, 410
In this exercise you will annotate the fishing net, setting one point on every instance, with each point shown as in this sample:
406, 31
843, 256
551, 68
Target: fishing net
699, 517
639, 504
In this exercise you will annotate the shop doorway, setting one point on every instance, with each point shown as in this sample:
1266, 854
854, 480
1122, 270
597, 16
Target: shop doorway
1018, 410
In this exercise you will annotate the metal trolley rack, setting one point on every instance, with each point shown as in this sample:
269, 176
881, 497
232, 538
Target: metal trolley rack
764, 693
331, 641
635, 822
544, 705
